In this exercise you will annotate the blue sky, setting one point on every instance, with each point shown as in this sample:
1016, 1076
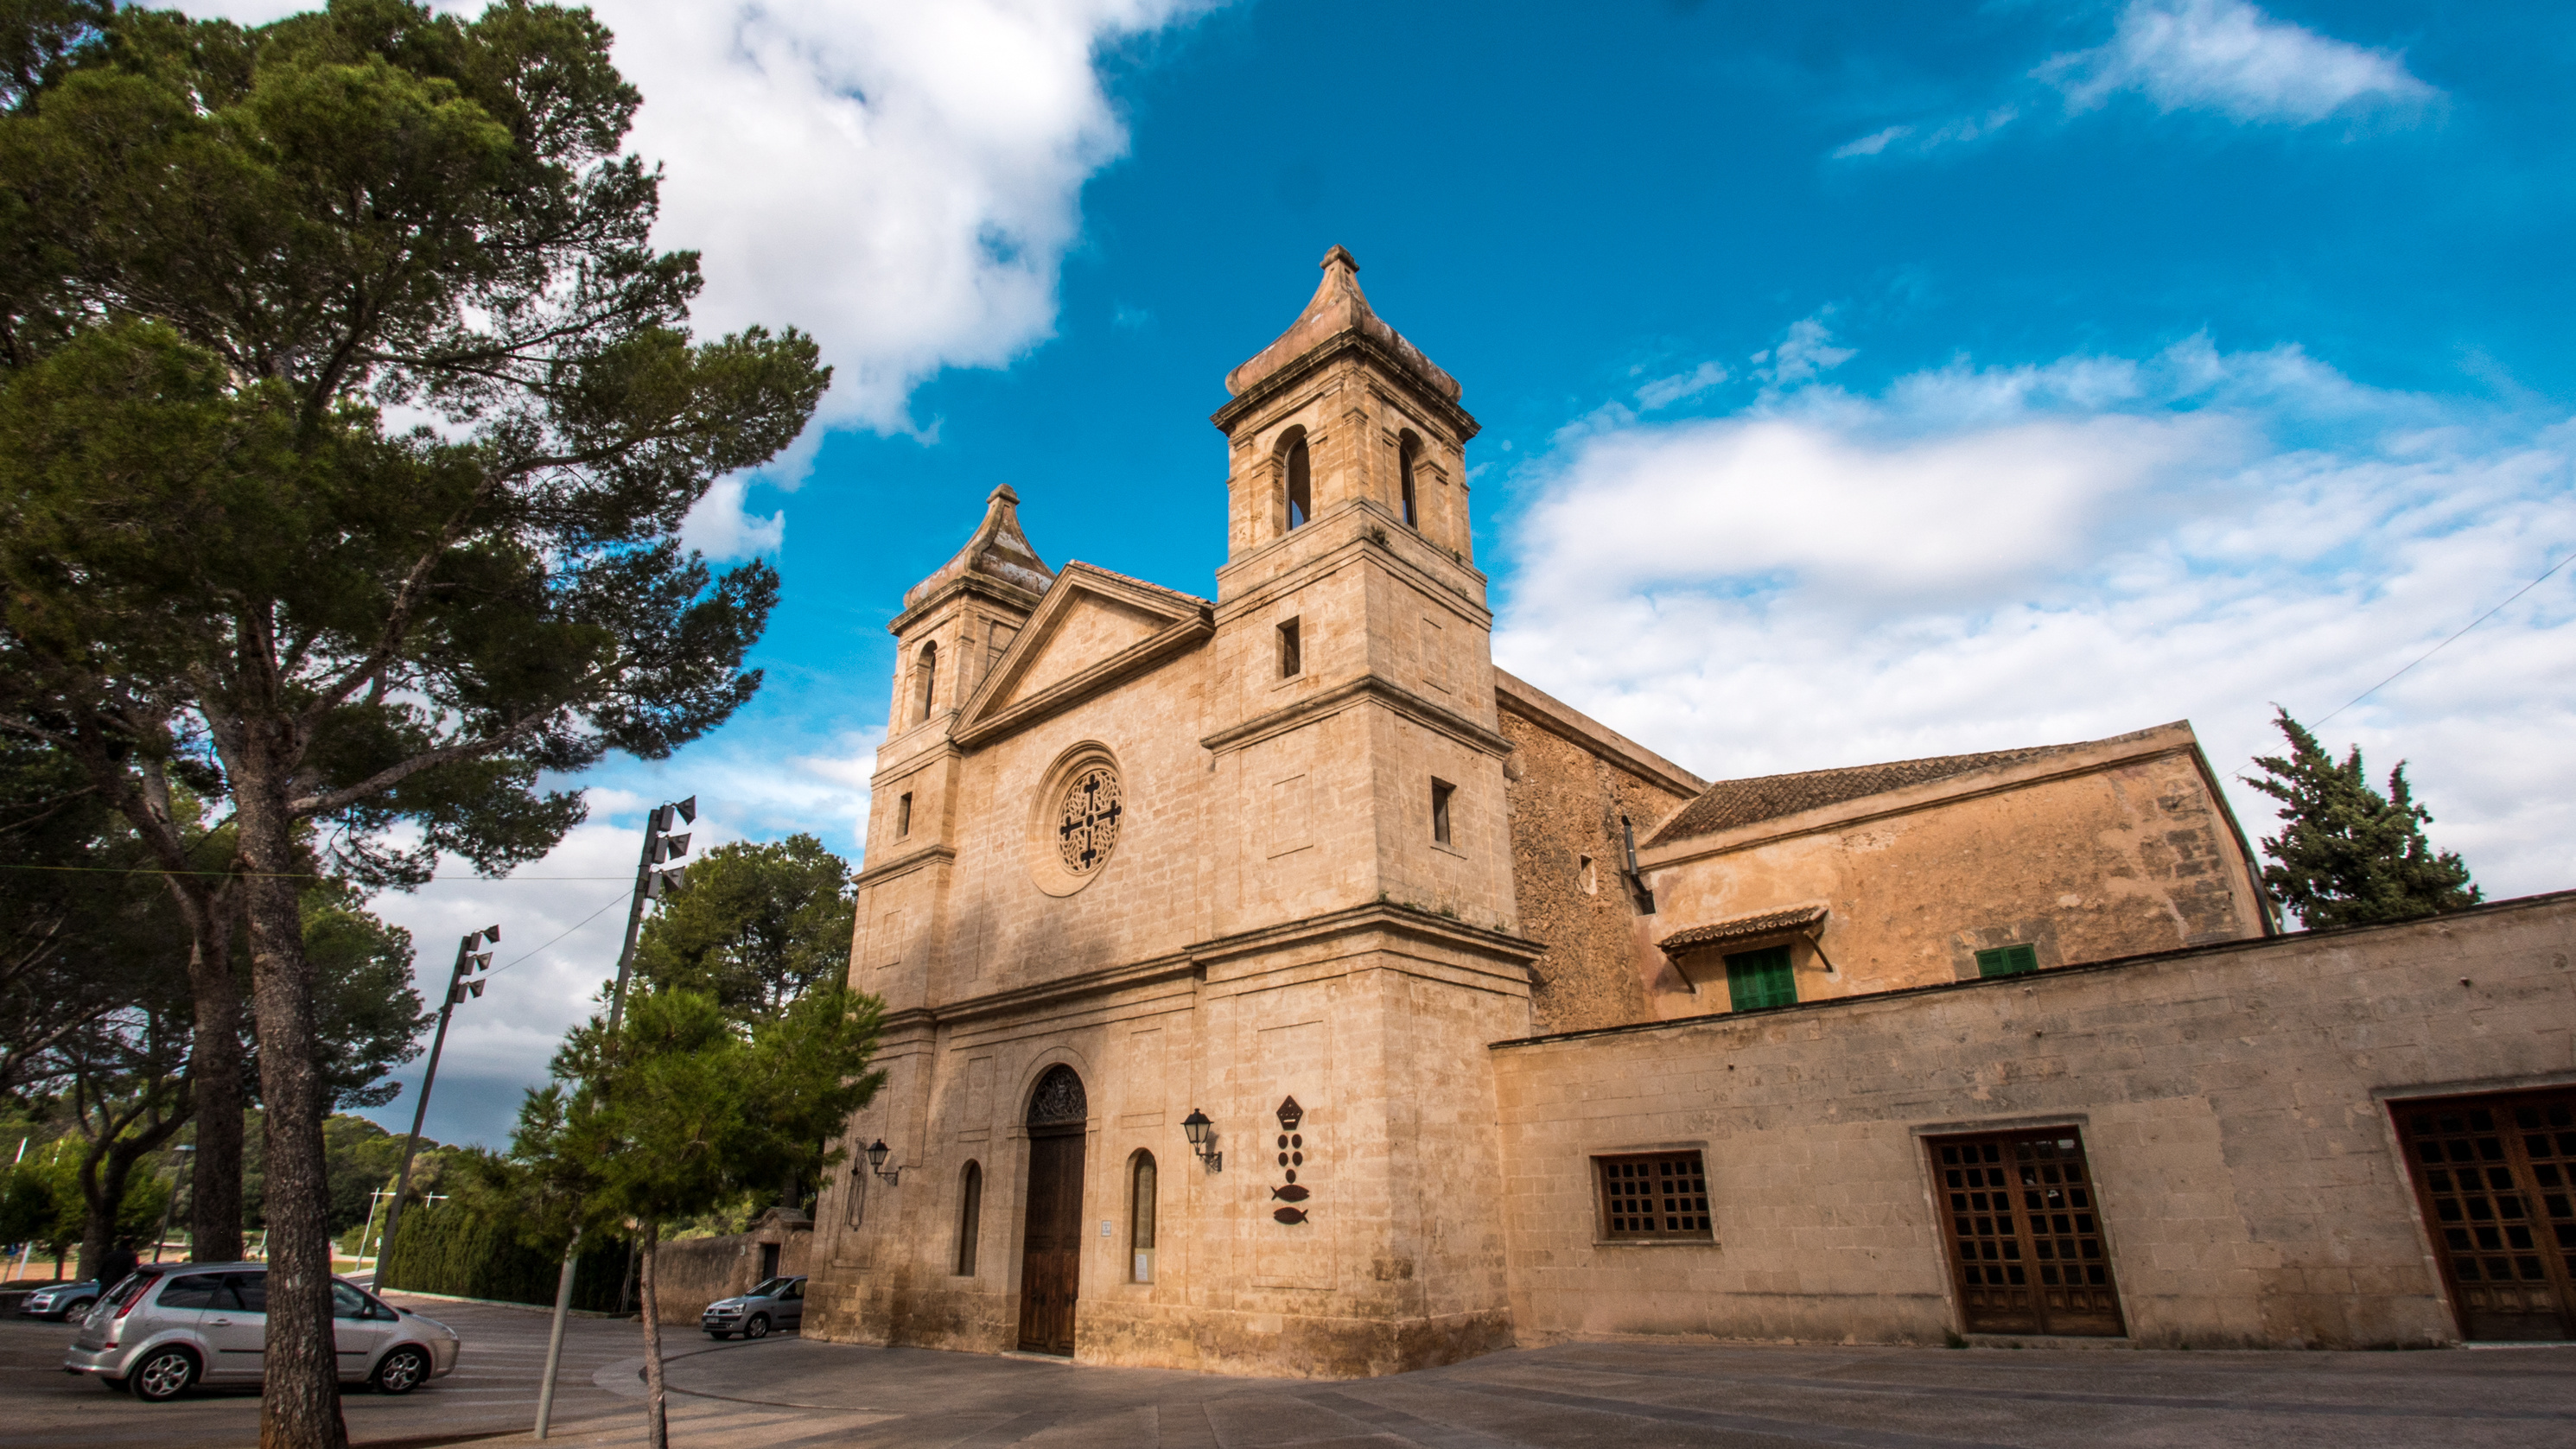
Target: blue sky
1859, 381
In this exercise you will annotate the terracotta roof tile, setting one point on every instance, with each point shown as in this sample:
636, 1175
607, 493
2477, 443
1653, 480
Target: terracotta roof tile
1740, 928
1730, 803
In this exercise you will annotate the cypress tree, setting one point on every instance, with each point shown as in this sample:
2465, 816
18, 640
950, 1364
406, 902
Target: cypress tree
2348, 855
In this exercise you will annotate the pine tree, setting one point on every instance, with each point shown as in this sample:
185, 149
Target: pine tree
2348, 855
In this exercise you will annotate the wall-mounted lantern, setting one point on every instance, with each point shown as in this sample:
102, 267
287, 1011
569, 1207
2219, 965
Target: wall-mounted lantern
1203, 1139
876, 1164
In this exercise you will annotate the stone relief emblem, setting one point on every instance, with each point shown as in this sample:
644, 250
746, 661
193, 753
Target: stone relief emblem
1292, 1155
1087, 819
1059, 1099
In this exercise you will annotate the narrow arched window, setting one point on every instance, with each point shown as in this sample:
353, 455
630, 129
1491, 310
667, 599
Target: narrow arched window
925, 681
1301, 485
1140, 1217
970, 1214
1406, 451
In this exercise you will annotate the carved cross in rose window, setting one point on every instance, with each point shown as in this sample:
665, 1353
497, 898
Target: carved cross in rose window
1089, 821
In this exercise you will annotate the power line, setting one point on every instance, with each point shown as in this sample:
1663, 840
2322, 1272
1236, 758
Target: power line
2445, 644
568, 930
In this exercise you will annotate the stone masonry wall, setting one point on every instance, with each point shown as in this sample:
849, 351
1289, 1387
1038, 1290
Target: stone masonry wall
2233, 1100
1566, 803
691, 1273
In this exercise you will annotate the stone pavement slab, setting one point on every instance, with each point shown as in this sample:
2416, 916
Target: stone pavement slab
788, 1393
784, 1393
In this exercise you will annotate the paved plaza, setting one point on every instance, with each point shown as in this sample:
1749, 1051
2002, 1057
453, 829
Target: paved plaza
787, 1393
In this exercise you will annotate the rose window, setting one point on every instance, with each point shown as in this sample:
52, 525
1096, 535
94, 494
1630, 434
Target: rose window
1087, 821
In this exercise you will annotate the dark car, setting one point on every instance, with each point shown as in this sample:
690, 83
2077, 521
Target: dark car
65, 1301
778, 1303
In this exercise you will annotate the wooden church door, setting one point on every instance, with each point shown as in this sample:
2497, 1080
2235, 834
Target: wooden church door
1051, 1243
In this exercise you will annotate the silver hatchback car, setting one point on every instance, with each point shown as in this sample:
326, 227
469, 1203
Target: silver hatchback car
778, 1303
169, 1327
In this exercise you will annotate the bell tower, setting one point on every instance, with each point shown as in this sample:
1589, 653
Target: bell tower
1352, 628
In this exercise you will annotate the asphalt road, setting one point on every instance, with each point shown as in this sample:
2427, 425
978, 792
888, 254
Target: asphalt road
493, 1391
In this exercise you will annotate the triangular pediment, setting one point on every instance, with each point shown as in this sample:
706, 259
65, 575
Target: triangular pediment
1091, 630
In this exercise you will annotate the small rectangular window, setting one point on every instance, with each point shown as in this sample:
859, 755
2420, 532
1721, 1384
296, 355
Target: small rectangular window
1756, 980
1292, 654
903, 815
1653, 1196
1441, 790
2008, 961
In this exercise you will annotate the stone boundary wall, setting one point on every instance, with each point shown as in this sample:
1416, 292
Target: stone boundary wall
694, 1272
2233, 1100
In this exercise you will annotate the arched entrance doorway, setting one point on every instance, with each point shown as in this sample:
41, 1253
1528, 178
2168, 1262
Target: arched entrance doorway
1051, 1242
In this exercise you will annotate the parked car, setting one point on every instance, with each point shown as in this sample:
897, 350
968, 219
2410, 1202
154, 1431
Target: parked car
63, 1300
778, 1303
168, 1327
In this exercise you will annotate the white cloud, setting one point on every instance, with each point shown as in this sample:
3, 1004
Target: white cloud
1915, 140
1873, 143
1663, 392
1979, 558
722, 528
1805, 351
2230, 57
901, 180
2226, 56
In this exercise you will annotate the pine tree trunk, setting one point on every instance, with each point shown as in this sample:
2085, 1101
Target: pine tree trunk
300, 1395
657, 1426
215, 1084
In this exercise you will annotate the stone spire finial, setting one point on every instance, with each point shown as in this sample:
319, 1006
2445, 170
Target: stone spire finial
998, 551
1338, 306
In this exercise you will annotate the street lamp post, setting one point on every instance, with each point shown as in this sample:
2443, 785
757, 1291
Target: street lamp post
459, 988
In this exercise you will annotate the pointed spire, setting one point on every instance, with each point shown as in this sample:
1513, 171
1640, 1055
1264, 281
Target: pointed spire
998, 552
1338, 307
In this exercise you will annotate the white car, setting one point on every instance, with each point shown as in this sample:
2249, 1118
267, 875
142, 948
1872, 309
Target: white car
169, 1327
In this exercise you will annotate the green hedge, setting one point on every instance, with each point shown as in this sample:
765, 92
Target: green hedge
445, 1248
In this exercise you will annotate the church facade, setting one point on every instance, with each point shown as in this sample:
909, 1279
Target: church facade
1275, 986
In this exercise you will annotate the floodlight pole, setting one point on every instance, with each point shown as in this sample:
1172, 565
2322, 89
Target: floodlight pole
649, 885
658, 847
466, 964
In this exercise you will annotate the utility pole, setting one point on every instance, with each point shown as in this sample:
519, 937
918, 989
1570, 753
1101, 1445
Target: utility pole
651, 884
458, 989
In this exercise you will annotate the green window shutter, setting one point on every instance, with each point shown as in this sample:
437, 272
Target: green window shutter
2008, 961
1757, 979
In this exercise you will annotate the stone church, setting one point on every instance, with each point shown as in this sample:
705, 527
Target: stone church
1275, 986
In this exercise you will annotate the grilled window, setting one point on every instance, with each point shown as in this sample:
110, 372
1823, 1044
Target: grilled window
1654, 1196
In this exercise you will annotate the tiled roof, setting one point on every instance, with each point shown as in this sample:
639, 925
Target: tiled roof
1730, 803
1741, 928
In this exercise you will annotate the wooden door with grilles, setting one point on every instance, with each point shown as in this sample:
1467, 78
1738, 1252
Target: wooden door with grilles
2495, 1176
2025, 1234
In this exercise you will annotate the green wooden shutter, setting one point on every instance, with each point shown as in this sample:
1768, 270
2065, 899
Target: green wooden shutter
2008, 961
1757, 979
